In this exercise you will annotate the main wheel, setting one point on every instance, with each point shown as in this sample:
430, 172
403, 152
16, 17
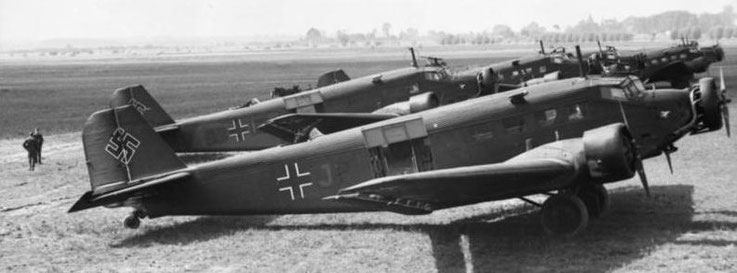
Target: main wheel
132, 222
596, 199
564, 214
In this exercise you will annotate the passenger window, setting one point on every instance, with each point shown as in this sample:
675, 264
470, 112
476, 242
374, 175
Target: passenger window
683, 55
664, 59
576, 112
514, 124
528, 70
673, 58
483, 132
655, 61
546, 118
543, 69
515, 73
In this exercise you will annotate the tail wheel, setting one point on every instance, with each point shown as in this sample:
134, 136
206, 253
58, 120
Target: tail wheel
131, 221
596, 199
564, 214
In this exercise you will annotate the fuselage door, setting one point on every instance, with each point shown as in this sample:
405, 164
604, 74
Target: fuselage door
307, 102
398, 148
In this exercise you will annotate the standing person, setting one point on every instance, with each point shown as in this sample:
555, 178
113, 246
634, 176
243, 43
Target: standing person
39, 144
30, 145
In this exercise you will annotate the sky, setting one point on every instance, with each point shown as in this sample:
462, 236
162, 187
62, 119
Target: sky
39, 20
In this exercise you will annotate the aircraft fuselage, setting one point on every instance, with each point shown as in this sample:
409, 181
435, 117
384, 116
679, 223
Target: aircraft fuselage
296, 178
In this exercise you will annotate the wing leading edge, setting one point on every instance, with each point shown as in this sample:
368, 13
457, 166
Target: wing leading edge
546, 168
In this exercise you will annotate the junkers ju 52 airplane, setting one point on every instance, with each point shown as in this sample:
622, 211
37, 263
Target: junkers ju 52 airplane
675, 65
390, 93
566, 136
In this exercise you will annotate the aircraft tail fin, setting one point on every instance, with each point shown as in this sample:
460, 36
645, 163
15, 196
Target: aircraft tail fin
141, 100
332, 77
122, 150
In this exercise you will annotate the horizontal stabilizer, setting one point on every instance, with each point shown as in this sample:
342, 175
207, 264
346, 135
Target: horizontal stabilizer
88, 200
295, 127
166, 128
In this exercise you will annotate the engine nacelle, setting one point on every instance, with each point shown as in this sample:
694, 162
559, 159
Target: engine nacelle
422, 102
415, 104
711, 112
610, 153
487, 81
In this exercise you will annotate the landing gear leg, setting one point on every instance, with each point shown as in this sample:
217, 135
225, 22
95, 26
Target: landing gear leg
596, 199
564, 214
133, 221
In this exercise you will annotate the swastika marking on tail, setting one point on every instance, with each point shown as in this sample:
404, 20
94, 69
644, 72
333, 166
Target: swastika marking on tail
140, 107
122, 146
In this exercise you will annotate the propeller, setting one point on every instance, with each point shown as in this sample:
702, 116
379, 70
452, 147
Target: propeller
641, 171
667, 157
723, 104
637, 156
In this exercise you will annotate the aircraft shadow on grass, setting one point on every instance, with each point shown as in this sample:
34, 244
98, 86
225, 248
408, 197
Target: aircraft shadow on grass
634, 226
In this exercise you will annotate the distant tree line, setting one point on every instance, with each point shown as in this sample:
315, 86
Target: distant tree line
674, 24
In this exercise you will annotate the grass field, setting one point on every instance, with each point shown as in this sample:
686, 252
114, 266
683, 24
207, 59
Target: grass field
688, 225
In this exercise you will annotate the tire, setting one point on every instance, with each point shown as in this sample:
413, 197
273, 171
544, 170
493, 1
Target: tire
564, 215
131, 221
596, 199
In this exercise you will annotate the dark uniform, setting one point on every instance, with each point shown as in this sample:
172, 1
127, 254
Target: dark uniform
39, 144
30, 145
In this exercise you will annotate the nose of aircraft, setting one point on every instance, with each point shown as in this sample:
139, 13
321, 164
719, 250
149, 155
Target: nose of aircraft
718, 53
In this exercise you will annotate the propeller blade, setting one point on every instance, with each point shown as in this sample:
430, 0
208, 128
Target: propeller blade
670, 165
722, 84
643, 177
725, 115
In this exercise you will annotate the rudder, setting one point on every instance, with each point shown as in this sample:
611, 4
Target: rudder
138, 97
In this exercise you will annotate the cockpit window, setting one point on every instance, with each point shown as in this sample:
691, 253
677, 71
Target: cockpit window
436, 75
433, 76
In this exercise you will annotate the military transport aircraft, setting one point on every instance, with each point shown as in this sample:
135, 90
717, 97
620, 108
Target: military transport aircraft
569, 136
676, 65
392, 93
396, 92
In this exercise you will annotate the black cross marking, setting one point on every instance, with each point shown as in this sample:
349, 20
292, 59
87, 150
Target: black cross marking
295, 186
239, 130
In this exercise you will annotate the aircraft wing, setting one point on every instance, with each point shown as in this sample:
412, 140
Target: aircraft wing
291, 127
529, 173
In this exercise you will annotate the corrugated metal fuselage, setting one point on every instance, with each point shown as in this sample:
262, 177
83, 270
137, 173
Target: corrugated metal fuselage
294, 179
